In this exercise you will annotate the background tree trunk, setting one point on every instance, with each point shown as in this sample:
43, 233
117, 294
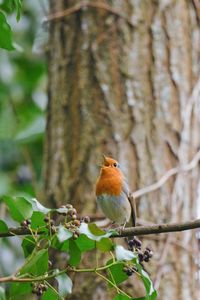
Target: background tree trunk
123, 80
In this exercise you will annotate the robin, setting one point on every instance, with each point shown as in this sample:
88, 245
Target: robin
113, 194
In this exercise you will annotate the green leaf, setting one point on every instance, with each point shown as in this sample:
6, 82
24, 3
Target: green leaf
105, 244
20, 208
4, 179
37, 206
124, 254
18, 6
84, 228
151, 293
28, 245
121, 297
63, 234
3, 227
84, 243
50, 294
5, 34
64, 285
75, 253
37, 220
117, 275
61, 210
18, 289
2, 294
94, 229
36, 264
32, 131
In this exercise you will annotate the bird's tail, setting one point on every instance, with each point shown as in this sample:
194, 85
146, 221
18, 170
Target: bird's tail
133, 210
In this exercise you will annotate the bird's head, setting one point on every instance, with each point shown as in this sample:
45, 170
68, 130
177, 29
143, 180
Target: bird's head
109, 162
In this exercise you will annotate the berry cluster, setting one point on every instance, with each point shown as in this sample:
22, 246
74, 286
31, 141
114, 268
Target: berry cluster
136, 244
71, 220
38, 288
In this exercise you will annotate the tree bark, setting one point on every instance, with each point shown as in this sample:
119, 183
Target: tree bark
123, 81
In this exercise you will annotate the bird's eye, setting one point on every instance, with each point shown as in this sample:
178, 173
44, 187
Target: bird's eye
115, 165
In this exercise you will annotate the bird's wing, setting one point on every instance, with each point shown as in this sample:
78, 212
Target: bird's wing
126, 190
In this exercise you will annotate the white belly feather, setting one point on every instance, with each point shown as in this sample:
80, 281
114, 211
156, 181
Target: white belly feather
116, 208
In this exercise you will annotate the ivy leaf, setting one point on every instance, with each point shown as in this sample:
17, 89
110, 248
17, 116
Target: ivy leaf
28, 245
18, 289
6, 34
3, 227
84, 228
94, 229
2, 294
20, 208
36, 264
151, 293
63, 234
105, 244
37, 206
117, 275
124, 254
50, 294
84, 243
64, 285
75, 253
61, 210
37, 220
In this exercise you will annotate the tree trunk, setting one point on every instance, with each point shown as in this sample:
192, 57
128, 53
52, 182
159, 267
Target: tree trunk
123, 81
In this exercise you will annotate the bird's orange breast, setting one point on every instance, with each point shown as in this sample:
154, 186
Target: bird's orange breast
110, 182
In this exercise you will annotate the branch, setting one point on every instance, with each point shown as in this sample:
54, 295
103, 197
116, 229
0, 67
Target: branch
155, 186
159, 228
130, 231
62, 14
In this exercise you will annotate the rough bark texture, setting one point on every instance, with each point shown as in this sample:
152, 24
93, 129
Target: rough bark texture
126, 90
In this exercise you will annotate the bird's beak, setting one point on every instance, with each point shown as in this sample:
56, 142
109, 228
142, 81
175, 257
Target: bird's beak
104, 158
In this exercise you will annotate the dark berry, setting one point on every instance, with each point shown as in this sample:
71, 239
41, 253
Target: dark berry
39, 292
146, 258
129, 272
140, 256
150, 254
24, 223
86, 219
134, 269
46, 219
131, 243
138, 243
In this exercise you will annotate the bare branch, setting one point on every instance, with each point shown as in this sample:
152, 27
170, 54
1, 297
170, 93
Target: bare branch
159, 228
131, 231
71, 10
185, 168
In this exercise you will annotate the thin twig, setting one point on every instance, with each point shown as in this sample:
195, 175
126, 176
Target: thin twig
62, 14
155, 186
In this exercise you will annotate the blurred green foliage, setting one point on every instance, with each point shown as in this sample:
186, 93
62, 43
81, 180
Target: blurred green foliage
22, 100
